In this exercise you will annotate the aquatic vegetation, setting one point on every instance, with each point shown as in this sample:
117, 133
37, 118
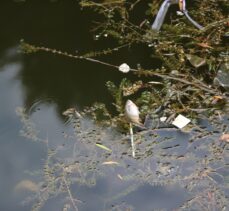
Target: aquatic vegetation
196, 161
188, 61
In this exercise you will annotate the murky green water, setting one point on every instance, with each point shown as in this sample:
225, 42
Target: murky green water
47, 85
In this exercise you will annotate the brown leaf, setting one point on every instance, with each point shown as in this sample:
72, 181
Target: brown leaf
216, 99
224, 137
132, 89
204, 45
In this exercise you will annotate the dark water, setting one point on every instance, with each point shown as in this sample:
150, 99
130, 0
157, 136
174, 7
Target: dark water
51, 84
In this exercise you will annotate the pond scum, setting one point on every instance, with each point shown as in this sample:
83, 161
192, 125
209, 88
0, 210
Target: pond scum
184, 84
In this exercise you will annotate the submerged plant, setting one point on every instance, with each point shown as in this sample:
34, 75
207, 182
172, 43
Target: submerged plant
196, 161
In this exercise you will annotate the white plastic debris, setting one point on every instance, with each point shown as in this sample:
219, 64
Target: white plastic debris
163, 119
154, 82
124, 68
181, 121
179, 13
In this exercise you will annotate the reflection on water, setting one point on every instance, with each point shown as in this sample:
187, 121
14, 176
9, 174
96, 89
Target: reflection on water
51, 82
179, 168
73, 155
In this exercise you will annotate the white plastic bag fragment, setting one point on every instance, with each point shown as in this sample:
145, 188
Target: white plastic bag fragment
163, 119
124, 68
181, 121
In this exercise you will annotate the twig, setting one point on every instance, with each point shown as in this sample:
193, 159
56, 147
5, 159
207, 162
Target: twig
31, 49
211, 25
199, 85
134, 4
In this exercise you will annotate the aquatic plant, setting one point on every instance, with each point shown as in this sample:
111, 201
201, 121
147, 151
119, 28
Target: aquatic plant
196, 160
183, 83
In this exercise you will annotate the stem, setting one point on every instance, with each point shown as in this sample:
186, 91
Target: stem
195, 82
132, 140
69, 192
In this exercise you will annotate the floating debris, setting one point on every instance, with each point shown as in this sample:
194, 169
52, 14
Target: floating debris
163, 119
181, 121
103, 147
124, 68
119, 176
110, 163
155, 82
132, 113
222, 77
179, 13
196, 61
